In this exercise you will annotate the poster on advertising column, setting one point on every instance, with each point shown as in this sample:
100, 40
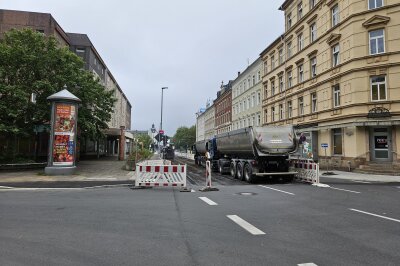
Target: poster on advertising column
64, 137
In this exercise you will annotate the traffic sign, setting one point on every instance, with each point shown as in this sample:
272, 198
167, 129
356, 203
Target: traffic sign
324, 145
161, 131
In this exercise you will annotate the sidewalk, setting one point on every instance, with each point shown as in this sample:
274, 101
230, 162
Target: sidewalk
104, 169
360, 177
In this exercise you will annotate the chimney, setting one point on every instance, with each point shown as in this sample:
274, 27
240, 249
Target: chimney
238, 73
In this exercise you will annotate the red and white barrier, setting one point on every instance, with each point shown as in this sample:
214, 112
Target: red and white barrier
307, 170
208, 186
160, 176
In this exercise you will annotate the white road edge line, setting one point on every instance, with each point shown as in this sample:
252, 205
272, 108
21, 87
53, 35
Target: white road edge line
359, 181
43, 188
376, 215
307, 264
277, 190
245, 225
346, 190
208, 201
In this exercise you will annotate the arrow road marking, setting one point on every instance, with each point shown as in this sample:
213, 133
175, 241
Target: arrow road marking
245, 225
208, 201
376, 215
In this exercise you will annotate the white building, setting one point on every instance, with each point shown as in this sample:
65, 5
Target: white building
247, 97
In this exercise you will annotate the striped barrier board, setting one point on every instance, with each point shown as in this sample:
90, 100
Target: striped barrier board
160, 176
155, 162
307, 170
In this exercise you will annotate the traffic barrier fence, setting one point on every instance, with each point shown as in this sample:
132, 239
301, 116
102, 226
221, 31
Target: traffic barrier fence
307, 170
160, 176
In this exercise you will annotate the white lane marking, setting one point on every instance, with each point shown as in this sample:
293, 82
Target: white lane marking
376, 215
245, 225
5, 187
358, 181
307, 264
345, 190
101, 178
208, 201
277, 190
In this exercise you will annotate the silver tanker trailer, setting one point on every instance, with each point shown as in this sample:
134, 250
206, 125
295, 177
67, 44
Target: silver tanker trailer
252, 151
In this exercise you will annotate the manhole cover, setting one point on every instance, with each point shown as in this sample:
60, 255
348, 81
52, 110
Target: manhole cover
247, 193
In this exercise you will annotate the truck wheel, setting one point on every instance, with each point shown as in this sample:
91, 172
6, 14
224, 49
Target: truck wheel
233, 171
239, 171
248, 173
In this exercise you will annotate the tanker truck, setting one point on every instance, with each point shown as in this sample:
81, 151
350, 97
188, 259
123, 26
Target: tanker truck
250, 152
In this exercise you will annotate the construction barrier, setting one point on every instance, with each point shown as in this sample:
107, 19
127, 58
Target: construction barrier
160, 176
155, 162
307, 170
189, 156
208, 186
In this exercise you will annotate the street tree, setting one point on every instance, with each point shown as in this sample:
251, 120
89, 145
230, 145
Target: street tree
34, 64
184, 137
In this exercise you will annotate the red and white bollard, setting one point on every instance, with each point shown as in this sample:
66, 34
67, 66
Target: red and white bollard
208, 186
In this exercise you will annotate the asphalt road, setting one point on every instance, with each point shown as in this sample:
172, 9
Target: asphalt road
349, 223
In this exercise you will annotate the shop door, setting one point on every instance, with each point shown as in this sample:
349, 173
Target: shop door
381, 140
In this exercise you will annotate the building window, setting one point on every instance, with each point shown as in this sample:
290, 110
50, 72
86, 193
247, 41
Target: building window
300, 73
289, 49
313, 62
244, 85
248, 82
301, 106
80, 50
253, 100
254, 80
312, 3
335, 55
300, 42
335, 15
258, 119
372, 4
266, 67
376, 42
281, 87
289, 20
258, 76
289, 79
281, 112
378, 88
248, 103
258, 98
272, 114
266, 116
289, 109
272, 87
299, 11
337, 141
313, 32
313, 102
281, 56
272, 62
265, 91
336, 96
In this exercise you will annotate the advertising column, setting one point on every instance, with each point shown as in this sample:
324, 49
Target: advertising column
62, 148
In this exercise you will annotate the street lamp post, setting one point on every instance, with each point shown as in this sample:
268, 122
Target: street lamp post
161, 126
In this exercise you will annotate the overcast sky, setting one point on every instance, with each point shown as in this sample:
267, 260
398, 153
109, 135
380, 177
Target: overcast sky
186, 45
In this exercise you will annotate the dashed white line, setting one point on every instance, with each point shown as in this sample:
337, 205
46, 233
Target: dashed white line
352, 191
307, 264
208, 201
277, 190
245, 225
358, 181
376, 215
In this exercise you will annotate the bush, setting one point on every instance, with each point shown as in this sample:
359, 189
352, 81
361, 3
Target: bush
142, 154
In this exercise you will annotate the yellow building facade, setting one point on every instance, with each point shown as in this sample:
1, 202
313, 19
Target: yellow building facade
335, 75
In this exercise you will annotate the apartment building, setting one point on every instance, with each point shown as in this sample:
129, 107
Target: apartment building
223, 109
209, 123
200, 124
335, 75
246, 97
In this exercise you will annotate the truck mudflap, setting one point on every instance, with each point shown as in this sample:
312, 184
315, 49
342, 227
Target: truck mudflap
276, 173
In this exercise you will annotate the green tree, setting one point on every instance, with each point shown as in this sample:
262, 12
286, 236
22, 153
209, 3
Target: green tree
33, 63
184, 137
145, 139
